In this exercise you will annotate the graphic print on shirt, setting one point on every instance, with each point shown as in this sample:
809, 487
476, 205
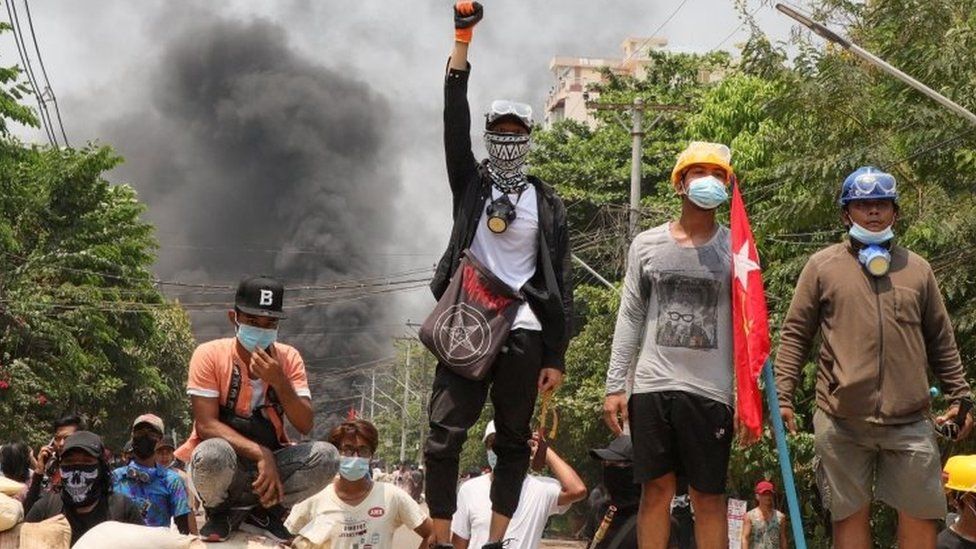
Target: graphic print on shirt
355, 528
687, 311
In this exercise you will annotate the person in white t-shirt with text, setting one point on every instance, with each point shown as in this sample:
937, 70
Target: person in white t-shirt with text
541, 497
354, 512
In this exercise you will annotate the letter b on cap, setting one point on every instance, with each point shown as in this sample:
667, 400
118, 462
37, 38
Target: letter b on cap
267, 298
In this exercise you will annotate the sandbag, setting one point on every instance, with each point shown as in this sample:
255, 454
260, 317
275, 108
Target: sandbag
319, 533
11, 512
120, 535
11, 538
53, 533
243, 540
9, 487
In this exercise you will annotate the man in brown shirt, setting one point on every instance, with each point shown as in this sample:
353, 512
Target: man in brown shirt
883, 326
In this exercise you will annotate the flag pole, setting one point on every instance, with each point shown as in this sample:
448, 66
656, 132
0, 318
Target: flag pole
785, 464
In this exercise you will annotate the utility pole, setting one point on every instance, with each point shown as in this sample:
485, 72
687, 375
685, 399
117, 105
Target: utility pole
403, 410
637, 135
372, 397
637, 131
425, 399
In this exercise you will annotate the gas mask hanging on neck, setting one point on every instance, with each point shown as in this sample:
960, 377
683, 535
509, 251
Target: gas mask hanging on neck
507, 153
874, 255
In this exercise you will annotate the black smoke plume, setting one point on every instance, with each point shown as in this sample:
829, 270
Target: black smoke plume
254, 160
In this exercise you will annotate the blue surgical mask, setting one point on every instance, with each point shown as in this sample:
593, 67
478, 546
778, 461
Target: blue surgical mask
865, 236
492, 459
252, 337
707, 192
353, 468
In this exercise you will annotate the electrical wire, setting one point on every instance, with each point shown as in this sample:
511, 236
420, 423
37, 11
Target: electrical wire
47, 81
28, 70
657, 30
736, 29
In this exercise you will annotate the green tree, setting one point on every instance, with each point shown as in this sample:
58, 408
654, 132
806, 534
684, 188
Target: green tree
83, 327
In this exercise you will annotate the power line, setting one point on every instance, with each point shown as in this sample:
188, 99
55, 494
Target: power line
658, 29
296, 251
348, 284
29, 71
736, 29
47, 81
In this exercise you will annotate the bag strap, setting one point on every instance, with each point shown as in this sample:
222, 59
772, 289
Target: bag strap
234, 392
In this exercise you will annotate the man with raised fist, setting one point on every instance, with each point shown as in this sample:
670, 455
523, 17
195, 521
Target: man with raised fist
514, 225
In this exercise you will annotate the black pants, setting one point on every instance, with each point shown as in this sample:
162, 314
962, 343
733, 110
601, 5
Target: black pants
455, 406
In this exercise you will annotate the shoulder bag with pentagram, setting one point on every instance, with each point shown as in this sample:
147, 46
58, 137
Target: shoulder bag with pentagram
470, 323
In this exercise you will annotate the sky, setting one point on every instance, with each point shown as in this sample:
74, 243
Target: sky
303, 138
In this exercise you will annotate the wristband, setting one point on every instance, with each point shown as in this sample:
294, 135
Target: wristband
464, 35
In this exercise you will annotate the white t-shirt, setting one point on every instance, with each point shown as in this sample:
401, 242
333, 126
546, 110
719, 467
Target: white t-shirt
539, 500
369, 525
512, 255
259, 388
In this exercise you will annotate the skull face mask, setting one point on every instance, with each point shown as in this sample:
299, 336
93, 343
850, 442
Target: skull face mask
81, 484
506, 160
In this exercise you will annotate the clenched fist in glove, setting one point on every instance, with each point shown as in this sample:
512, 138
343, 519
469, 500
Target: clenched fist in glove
466, 16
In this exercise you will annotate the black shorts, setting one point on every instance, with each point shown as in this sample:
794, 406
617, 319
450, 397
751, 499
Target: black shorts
681, 433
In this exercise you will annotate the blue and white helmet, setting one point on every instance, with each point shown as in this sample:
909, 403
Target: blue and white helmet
868, 183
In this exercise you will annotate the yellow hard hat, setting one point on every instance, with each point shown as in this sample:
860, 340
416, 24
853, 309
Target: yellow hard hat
703, 152
960, 473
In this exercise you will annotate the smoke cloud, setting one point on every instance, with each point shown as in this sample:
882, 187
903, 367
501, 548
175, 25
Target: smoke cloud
271, 164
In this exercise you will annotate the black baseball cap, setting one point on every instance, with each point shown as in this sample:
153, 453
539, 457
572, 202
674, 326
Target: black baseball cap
166, 442
260, 296
620, 449
86, 441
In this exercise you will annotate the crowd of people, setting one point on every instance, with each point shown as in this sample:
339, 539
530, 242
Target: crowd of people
500, 331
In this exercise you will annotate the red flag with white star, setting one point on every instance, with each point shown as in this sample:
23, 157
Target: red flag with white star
750, 323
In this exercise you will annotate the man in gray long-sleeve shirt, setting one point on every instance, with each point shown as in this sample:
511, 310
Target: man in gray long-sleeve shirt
674, 333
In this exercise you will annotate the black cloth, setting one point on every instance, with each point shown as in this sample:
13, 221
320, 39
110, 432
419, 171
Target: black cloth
550, 291
116, 507
681, 433
48, 482
951, 540
455, 406
596, 507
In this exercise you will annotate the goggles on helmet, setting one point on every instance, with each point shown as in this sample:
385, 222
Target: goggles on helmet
868, 184
502, 107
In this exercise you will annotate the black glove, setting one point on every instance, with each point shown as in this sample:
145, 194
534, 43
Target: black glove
467, 14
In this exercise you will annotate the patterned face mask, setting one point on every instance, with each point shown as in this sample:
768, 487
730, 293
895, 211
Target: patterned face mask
81, 484
506, 160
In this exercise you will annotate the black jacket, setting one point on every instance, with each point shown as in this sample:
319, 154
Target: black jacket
550, 291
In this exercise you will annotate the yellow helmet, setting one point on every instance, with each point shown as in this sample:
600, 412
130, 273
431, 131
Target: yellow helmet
703, 152
960, 473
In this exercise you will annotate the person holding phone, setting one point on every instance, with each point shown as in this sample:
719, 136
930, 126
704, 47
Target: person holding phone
47, 465
242, 389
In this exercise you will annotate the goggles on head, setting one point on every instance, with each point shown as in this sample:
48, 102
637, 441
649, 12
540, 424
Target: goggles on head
500, 108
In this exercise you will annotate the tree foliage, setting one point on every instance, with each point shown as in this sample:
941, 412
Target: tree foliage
83, 327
